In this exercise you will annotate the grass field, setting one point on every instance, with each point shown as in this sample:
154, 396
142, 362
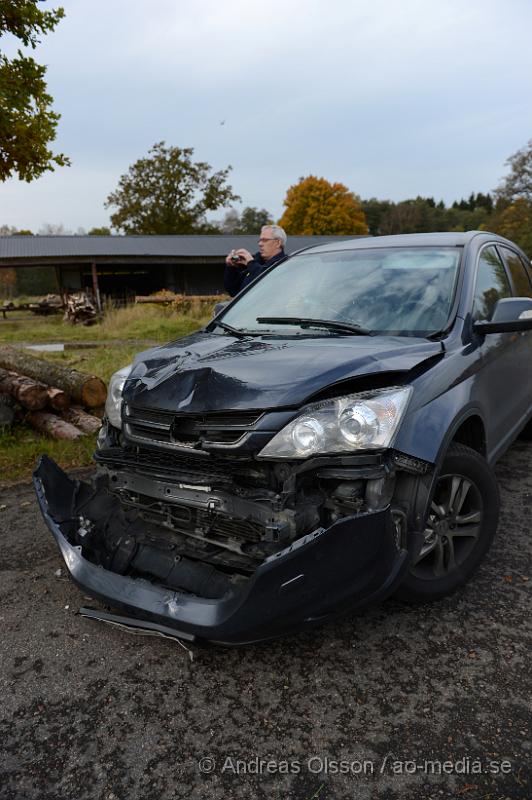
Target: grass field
21, 446
142, 322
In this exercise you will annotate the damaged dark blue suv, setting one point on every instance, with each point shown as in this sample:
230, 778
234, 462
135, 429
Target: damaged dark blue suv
327, 440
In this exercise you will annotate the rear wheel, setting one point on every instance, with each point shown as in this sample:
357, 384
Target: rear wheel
461, 524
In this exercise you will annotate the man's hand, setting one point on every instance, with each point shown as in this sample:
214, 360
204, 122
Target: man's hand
244, 257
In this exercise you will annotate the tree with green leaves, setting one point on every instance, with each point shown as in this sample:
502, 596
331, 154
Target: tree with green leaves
27, 122
253, 219
169, 193
314, 206
475, 202
249, 222
420, 215
374, 211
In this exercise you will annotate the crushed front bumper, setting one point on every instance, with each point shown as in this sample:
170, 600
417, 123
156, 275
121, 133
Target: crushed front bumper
350, 564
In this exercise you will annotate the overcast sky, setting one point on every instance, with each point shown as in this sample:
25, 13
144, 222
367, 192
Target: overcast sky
392, 98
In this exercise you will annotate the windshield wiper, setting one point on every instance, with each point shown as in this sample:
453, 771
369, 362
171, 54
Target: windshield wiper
329, 324
235, 331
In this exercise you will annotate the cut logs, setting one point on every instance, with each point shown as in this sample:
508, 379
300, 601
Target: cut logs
88, 391
57, 399
7, 412
29, 393
34, 383
85, 422
53, 425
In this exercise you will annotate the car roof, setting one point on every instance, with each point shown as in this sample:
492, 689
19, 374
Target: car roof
451, 239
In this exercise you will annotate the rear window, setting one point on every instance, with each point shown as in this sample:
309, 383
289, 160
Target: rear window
518, 273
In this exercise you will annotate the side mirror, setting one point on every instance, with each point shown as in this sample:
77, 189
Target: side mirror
511, 314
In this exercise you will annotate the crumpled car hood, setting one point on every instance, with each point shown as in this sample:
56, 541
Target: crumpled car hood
213, 372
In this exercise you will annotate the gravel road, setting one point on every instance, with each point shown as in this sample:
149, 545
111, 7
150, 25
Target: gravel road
396, 703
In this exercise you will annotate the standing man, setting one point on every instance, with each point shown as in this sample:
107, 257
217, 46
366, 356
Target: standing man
241, 267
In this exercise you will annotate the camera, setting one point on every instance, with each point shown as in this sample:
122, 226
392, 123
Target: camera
235, 259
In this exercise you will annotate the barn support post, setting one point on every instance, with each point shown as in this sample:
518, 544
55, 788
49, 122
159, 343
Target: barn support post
96, 288
57, 271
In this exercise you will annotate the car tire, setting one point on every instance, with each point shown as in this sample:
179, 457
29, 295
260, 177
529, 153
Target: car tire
461, 524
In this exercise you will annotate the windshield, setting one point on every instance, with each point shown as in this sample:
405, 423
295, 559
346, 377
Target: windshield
396, 291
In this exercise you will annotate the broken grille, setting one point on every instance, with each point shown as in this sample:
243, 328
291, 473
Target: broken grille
191, 430
196, 469
191, 520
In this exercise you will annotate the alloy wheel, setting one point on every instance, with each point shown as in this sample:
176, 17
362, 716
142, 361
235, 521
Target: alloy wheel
453, 527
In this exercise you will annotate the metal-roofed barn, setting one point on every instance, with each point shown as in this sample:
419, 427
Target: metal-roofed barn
124, 266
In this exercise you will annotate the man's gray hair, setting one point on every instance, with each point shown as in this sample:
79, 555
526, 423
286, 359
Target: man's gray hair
277, 232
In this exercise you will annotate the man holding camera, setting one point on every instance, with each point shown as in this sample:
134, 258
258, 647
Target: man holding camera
241, 267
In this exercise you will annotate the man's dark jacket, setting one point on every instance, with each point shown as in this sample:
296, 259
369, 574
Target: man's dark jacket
236, 278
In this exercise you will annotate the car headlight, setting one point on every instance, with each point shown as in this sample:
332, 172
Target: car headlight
113, 404
364, 421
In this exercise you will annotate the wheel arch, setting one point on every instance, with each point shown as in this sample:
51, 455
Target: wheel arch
467, 428
472, 433
416, 492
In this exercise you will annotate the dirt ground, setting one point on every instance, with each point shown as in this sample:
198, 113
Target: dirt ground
396, 703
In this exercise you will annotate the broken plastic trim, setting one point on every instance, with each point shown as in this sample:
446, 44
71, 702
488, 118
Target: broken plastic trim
133, 625
352, 563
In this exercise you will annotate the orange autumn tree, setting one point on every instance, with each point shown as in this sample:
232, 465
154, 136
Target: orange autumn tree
316, 207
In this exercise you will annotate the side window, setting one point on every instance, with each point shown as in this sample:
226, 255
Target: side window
520, 278
492, 284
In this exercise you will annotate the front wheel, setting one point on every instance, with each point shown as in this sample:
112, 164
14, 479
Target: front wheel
460, 527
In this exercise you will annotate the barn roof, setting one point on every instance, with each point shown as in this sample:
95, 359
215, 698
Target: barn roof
44, 249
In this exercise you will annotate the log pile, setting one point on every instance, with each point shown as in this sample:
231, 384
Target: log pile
76, 308
51, 304
79, 309
7, 411
10, 306
88, 391
52, 425
78, 417
199, 304
53, 399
